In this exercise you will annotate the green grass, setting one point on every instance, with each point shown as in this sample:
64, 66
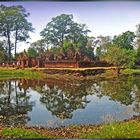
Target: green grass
131, 71
20, 133
18, 73
115, 130
124, 129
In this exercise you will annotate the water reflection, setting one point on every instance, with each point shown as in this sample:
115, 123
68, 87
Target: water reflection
14, 104
65, 99
125, 90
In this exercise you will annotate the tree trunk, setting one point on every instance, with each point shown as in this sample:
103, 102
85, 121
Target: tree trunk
9, 46
118, 71
16, 44
16, 92
62, 39
9, 92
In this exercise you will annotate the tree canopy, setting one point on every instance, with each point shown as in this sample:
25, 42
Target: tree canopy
63, 28
124, 40
120, 57
63, 32
14, 25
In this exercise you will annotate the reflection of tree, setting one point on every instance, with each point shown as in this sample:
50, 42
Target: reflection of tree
62, 101
136, 93
117, 90
14, 104
125, 90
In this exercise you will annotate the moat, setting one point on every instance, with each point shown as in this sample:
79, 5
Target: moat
55, 103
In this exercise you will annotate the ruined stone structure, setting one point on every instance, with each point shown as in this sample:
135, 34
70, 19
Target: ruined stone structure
23, 60
50, 60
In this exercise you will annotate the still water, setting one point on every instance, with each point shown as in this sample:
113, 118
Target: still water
56, 103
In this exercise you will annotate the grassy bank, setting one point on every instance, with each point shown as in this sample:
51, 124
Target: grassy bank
131, 71
64, 73
8, 73
125, 129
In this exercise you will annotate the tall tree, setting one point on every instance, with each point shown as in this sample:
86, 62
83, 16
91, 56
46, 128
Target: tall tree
120, 57
63, 28
6, 24
3, 51
125, 40
13, 24
102, 44
56, 30
138, 35
21, 25
78, 35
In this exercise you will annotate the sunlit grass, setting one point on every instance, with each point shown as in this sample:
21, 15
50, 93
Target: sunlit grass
129, 129
18, 73
131, 71
20, 133
124, 129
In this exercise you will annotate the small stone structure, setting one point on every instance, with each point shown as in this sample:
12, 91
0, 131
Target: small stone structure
23, 60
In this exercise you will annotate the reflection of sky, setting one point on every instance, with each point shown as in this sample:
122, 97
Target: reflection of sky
98, 110
39, 114
106, 18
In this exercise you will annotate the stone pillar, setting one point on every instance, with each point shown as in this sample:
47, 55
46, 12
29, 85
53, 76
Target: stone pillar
27, 63
38, 62
22, 63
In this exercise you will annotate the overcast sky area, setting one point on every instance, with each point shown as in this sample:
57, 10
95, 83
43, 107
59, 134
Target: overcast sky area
102, 18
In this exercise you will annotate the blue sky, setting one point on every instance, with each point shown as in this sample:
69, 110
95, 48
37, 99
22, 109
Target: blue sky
102, 18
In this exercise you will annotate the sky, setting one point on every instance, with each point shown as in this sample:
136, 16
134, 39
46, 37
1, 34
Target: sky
101, 17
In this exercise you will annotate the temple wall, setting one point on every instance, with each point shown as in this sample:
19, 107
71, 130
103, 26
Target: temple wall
61, 64
74, 64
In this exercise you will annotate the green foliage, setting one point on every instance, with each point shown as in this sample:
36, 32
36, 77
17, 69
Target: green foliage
56, 31
63, 28
138, 36
39, 45
32, 52
67, 44
1, 56
14, 26
124, 40
131, 71
103, 42
138, 54
131, 58
120, 57
64, 34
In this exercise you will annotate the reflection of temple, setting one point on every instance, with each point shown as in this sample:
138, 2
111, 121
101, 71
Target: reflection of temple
25, 84
58, 99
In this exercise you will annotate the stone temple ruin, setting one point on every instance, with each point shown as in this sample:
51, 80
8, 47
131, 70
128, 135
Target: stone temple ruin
70, 59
